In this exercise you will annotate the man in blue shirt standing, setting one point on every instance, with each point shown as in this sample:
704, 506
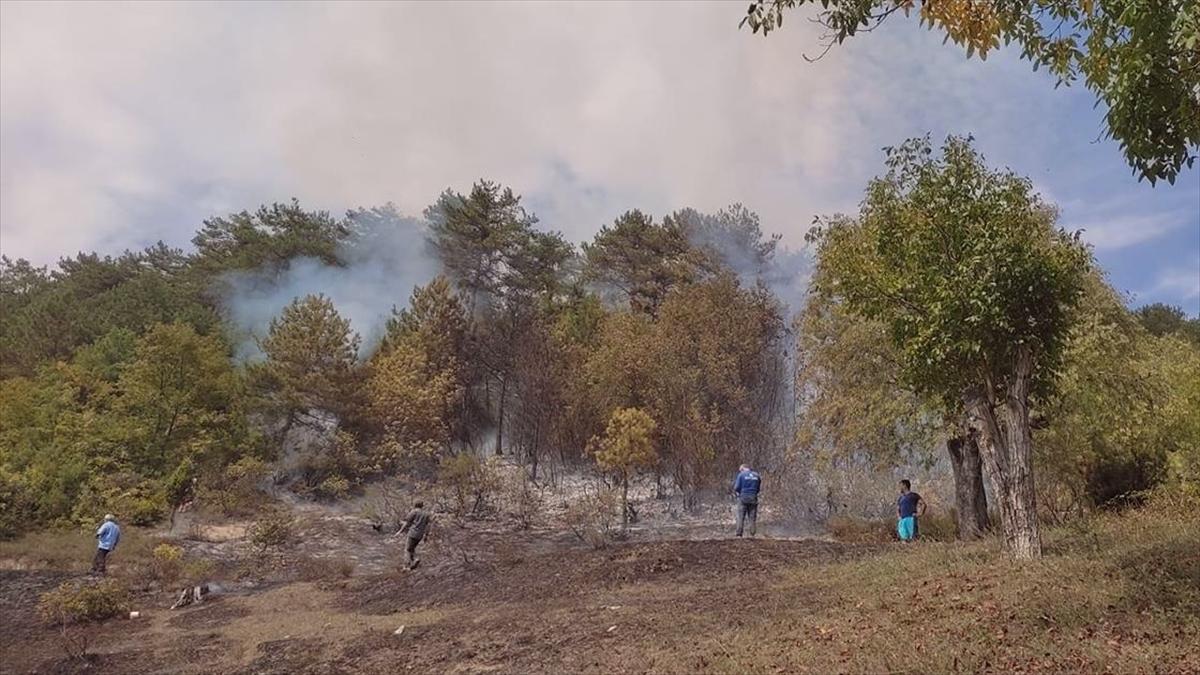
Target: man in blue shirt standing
746, 487
909, 506
107, 537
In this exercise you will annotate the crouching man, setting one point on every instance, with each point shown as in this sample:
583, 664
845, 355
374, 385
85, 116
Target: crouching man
107, 536
416, 524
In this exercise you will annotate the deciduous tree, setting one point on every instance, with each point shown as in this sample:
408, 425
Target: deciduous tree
977, 289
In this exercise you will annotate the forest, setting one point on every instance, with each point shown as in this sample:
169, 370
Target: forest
925, 414
950, 322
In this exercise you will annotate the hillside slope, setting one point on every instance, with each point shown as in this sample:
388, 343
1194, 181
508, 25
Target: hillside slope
1121, 594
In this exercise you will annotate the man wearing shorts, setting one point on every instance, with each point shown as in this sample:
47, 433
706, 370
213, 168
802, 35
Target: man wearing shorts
909, 507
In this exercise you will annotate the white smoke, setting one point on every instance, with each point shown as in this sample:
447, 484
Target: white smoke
384, 259
735, 235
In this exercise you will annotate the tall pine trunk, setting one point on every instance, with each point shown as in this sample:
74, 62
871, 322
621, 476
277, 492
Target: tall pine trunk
970, 501
500, 418
1006, 445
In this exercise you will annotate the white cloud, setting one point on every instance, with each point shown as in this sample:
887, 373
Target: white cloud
1123, 231
1178, 281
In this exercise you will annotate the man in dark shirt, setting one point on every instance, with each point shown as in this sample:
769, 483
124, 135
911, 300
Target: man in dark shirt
909, 506
416, 524
746, 487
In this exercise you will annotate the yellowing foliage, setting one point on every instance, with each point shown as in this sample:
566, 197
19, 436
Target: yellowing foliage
627, 444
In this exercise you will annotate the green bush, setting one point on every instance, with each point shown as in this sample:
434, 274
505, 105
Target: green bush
135, 500
166, 563
74, 603
235, 490
331, 467
17, 505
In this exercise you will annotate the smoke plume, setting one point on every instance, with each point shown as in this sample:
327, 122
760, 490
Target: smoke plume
385, 257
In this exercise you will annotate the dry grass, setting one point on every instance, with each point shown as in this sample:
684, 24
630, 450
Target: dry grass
1114, 592
72, 550
311, 568
940, 527
142, 561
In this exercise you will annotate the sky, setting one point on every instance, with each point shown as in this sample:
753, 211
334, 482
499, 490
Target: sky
125, 124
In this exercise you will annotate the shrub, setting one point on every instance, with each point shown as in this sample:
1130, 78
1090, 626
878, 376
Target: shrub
860, 530
135, 500
73, 603
274, 529
938, 526
471, 483
386, 506
333, 487
521, 498
594, 517
236, 489
196, 570
18, 507
166, 563
330, 466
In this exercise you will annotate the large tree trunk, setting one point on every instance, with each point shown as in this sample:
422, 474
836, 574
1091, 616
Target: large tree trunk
970, 501
1006, 445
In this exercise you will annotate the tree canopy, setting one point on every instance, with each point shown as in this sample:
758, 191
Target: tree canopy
977, 290
1141, 58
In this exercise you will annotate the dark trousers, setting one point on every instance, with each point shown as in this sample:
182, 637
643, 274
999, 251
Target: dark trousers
411, 548
747, 513
99, 561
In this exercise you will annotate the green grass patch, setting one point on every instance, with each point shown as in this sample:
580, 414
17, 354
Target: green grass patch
1119, 592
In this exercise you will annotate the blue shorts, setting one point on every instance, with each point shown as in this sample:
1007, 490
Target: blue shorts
906, 527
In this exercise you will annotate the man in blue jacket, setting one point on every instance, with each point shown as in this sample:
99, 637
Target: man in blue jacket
107, 537
746, 487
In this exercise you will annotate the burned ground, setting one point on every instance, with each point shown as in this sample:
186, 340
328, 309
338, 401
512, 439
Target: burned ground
574, 572
553, 608
1120, 594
